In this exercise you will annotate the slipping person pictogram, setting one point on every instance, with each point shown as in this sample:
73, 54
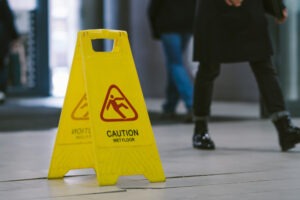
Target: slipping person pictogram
117, 107
81, 110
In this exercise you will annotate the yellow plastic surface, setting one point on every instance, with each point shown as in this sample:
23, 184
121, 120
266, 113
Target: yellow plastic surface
104, 122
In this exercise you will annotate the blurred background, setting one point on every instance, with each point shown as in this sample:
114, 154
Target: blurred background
49, 30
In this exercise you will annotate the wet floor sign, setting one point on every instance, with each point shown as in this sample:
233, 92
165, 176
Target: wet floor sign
104, 122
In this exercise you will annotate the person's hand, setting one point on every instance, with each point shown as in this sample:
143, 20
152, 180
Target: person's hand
285, 16
236, 3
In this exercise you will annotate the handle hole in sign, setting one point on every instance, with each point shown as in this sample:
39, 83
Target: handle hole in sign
102, 45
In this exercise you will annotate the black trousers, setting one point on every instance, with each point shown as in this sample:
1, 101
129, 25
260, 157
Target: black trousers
3, 75
266, 78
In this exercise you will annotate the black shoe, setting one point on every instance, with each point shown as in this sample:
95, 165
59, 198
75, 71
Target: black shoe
201, 138
288, 134
203, 141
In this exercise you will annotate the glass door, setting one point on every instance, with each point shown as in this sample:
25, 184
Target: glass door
28, 62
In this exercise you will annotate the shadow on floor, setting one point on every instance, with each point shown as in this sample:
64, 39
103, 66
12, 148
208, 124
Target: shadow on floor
23, 118
157, 119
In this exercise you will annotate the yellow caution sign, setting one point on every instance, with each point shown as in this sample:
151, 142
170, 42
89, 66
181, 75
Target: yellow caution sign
104, 123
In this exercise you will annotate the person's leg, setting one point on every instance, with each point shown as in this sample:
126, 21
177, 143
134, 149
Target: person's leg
203, 91
204, 84
268, 84
171, 93
173, 47
3, 75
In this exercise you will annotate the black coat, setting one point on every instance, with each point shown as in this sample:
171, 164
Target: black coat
231, 34
8, 31
168, 16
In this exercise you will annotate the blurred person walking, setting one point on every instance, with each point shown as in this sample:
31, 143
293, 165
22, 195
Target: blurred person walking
172, 22
228, 31
8, 36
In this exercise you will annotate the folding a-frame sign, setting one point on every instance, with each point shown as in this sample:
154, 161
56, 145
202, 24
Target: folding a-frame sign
104, 122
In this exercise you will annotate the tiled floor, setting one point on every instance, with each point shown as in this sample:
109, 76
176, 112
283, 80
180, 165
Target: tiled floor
247, 163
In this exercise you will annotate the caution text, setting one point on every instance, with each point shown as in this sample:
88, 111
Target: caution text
123, 135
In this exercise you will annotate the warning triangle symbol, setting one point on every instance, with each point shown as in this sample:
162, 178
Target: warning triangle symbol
81, 110
117, 107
